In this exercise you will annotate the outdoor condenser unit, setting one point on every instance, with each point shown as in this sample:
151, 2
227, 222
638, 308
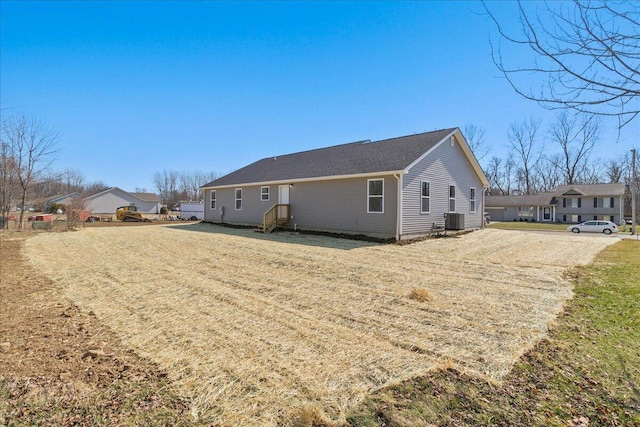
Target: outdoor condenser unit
453, 221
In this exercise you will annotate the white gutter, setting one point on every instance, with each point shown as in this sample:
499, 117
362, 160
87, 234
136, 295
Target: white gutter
399, 207
296, 180
484, 207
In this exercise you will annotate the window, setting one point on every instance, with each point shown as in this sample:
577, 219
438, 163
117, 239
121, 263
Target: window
452, 198
375, 193
238, 199
564, 202
611, 218
425, 197
264, 193
213, 199
472, 200
603, 202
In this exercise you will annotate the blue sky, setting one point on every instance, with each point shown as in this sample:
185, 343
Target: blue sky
136, 87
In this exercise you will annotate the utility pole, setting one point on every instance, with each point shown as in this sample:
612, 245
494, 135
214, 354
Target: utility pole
634, 190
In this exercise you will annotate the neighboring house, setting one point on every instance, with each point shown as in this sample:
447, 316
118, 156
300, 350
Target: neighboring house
394, 188
569, 203
65, 199
577, 203
538, 207
107, 201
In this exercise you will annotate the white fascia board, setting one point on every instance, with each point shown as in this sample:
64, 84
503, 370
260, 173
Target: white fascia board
296, 180
465, 149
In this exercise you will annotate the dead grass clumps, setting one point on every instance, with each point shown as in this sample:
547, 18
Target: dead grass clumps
421, 295
253, 328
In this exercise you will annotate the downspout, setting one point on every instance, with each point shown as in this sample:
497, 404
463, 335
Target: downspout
399, 208
484, 195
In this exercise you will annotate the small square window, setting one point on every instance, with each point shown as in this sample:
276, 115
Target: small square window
265, 193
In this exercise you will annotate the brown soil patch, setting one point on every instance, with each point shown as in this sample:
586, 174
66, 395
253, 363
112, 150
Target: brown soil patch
60, 366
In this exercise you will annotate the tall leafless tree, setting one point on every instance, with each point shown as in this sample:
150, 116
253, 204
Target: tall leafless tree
576, 137
586, 55
32, 144
8, 181
166, 182
475, 138
500, 173
615, 169
549, 175
523, 139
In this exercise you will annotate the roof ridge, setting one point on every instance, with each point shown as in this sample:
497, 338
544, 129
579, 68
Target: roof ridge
416, 134
364, 141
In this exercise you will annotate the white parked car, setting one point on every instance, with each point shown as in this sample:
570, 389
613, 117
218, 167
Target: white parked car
606, 227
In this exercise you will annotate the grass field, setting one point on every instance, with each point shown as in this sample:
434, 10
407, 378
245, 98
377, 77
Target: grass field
586, 373
262, 330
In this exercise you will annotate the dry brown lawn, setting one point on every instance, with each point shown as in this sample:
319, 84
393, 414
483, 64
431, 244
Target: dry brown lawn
257, 330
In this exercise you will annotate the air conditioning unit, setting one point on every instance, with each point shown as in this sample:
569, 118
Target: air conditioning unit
453, 221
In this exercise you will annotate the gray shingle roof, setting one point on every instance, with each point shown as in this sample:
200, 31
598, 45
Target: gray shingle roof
347, 159
146, 197
594, 189
541, 199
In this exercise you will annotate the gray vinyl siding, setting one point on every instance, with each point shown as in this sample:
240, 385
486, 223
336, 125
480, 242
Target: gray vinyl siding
444, 166
252, 207
587, 211
108, 201
338, 206
341, 206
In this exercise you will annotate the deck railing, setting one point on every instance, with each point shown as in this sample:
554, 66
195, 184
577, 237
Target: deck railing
276, 215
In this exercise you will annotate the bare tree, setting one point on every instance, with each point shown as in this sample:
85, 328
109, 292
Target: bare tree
166, 183
475, 138
586, 55
592, 174
500, 174
549, 176
191, 181
576, 137
33, 147
523, 139
8, 181
615, 169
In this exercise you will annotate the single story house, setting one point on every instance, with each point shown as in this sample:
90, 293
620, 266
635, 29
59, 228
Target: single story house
583, 202
395, 188
538, 207
64, 199
107, 201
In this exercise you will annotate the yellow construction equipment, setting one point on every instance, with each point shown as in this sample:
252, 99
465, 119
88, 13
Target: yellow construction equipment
129, 214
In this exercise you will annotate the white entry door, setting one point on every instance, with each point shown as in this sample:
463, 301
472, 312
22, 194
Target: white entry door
283, 194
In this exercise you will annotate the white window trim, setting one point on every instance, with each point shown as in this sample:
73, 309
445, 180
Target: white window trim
472, 200
425, 197
212, 200
452, 198
268, 193
235, 194
369, 196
